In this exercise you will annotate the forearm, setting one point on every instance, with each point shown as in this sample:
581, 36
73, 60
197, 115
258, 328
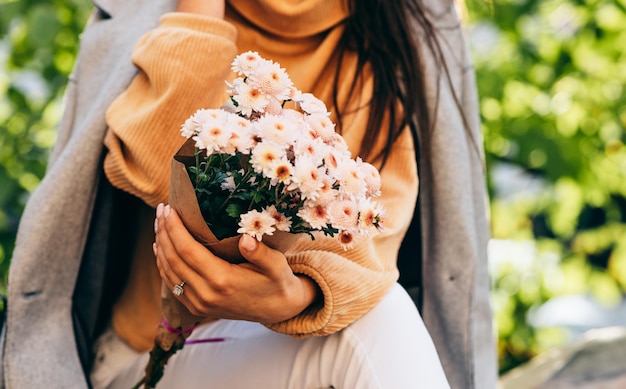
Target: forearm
213, 8
182, 67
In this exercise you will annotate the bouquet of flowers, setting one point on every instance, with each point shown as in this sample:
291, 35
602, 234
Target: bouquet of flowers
268, 163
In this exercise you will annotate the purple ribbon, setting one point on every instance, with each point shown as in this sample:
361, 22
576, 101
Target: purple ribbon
172, 330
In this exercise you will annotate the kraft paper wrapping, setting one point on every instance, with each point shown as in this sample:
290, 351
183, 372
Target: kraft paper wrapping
182, 199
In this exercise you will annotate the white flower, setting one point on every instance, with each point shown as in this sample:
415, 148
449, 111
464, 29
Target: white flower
264, 155
189, 128
340, 145
310, 104
281, 222
256, 224
295, 117
333, 160
343, 214
273, 107
249, 99
347, 239
371, 216
279, 172
314, 214
307, 178
242, 135
322, 125
213, 135
228, 184
315, 149
371, 176
246, 63
351, 182
272, 80
193, 125
276, 129
326, 193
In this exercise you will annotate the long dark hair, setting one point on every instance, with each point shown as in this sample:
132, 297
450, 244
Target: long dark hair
384, 35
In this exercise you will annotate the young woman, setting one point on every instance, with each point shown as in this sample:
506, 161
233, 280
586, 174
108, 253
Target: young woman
395, 76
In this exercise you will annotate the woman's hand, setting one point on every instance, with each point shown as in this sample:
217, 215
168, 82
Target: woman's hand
214, 8
263, 290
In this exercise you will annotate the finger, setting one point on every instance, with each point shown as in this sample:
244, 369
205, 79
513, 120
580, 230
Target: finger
269, 261
194, 254
170, 278
172, 266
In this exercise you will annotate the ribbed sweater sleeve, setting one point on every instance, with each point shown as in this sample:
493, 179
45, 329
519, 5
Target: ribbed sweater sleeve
182, 67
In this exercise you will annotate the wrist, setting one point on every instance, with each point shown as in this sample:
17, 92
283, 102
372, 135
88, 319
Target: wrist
202, 7
312, 294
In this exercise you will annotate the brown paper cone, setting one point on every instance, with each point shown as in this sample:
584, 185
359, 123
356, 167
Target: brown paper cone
183, 200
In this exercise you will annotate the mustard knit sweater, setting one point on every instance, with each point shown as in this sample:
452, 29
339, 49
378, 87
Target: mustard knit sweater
183, 64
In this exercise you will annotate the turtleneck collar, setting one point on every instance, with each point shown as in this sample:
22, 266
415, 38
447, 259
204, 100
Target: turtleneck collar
292, 18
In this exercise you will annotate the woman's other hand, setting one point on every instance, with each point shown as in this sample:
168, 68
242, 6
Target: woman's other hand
264, 289
214, 8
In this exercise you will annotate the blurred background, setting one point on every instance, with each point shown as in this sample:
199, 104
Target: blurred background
551, 76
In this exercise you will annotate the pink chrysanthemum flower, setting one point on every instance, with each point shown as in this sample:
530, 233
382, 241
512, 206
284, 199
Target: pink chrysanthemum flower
326, 193
351, 182
273, 107
371, 177
340, 145
279, 172
277, 129
281, 222
314, 214
246, 63
213, 135
242, 135
249, 99
310, 104
295, 117
322, 125
265, 154
194, 124
315, 149
307, 178
333, 161
272, 80
371, 216
343, 214
256, 224
347, 239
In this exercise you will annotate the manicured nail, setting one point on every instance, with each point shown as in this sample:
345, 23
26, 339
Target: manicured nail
154, 249
159, 210
166, 210
248, 243
156, 225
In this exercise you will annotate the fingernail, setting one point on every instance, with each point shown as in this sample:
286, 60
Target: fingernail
154, 249
166, 210
248, 243
159, 210
156, 225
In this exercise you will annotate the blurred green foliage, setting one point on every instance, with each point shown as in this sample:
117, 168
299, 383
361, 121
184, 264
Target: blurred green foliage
551, 76
38, 44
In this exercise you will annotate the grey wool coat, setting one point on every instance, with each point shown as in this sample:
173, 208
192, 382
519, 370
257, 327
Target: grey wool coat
39, 346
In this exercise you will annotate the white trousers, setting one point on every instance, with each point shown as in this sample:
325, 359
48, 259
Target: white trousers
387, 348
